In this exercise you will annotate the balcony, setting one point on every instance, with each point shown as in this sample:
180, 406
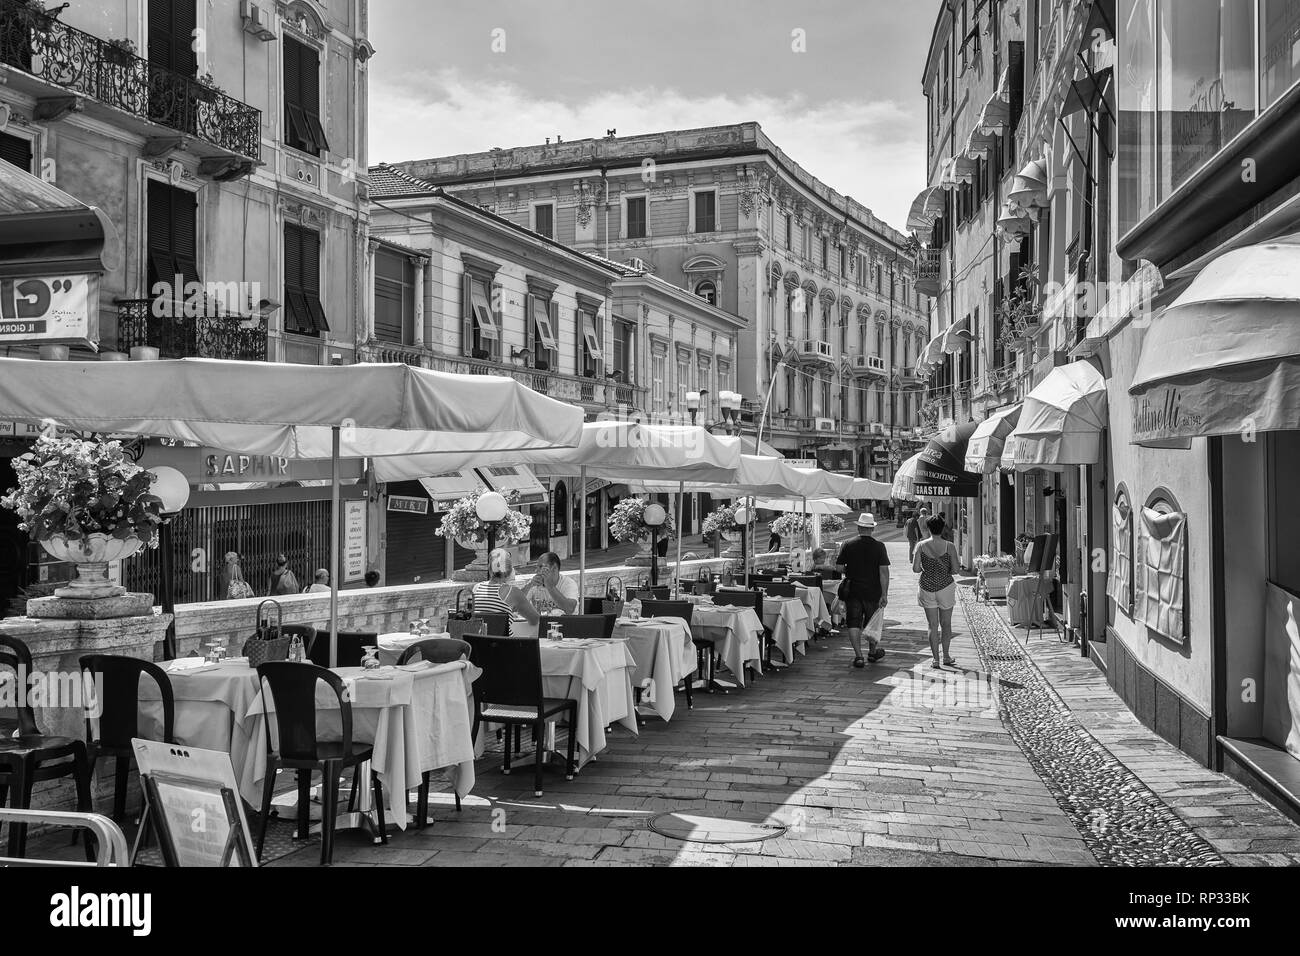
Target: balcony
870, 365
927, 271
601, 393
70, 64
816, 350
212, 335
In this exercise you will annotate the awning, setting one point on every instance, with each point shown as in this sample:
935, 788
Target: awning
963, 169
1224, 358
517, 478
957, 336
933, 350
1087, 92
870, 490
926, 208
904, 480
984, 450
980, 144
814, 506
941, 465
446, 489
44, 232
947, 174
994, 117
1062, 419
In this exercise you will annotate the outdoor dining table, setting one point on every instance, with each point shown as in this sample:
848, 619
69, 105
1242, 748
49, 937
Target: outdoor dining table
787, 619
418, 718
735, 631
391, 646
816, 605
663, 652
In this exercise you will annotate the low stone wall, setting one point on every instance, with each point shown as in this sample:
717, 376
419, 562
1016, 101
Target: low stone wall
381, 610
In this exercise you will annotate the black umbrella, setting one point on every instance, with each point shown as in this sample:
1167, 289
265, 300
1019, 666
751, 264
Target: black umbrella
941, 468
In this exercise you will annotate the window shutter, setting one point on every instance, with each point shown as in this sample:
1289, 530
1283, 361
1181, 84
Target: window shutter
467, 313
309, 65
16, 151
497, 345
554, 310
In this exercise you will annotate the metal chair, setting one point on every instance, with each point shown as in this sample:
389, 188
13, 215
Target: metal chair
31, 757
510, 692
578, 626
496, 623
292, 690
648, 594
118, 681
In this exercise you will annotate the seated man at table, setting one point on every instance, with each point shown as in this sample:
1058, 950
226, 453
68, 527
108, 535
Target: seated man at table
551, 592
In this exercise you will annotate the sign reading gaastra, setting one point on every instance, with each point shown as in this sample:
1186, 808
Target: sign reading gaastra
59, 309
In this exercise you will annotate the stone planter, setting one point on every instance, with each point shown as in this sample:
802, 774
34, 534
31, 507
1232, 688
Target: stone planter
642, 558
91, 557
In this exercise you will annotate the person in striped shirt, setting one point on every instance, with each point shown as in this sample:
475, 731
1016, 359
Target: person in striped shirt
499, 595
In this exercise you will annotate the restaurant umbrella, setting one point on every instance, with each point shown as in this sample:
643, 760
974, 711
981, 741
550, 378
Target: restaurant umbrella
291, 411
618, 451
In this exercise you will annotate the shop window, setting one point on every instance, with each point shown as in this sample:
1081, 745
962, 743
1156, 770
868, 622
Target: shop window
1160, 567
1119, 582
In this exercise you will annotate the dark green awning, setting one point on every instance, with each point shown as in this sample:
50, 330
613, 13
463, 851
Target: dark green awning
46, 232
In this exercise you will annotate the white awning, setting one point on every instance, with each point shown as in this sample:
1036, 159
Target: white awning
905, 478
926, 208
1062, 419
516, 478
984, 450
957, 336
446, 489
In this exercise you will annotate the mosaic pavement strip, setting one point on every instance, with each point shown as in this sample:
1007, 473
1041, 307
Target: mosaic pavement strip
1121, 820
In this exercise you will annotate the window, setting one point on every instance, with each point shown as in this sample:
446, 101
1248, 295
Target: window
302, 122
880, 340
171, 35
482, 327
1279, 48
844, 261
805, 239
304, 313
789, 231
544, 220
394, 296
706, 211
636, 219
707, 291
623, 350
879, 279
683, 379
1119, 582
1281, 465
659, 379
590, 353
16, 150
173, 247
826, 253
543, 312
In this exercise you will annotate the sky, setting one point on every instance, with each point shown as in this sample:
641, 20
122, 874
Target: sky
835, 83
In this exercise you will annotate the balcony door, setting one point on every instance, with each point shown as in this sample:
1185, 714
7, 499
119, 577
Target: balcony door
172, 58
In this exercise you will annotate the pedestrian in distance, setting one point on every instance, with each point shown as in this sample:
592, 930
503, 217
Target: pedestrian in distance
233, 584
322, 582
372, 579
936, 561
916, 530
865, 586
283, 580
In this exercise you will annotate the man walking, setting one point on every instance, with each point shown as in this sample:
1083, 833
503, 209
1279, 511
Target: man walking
915, 530
865, 588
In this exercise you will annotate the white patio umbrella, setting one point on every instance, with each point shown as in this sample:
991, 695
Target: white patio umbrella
812, 506
871, 490
294, 411
904, 479
617, 451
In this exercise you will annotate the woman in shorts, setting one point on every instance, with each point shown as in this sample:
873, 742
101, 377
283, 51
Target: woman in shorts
935, 560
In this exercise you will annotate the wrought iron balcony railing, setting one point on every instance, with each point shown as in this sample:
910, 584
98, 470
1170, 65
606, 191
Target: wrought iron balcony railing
928, 271
47, 48
212, 335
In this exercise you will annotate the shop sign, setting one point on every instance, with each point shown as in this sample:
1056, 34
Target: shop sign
408, 504
354, 541
45, 310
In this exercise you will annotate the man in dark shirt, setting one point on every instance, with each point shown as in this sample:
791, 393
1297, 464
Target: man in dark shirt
915, 532
865, 589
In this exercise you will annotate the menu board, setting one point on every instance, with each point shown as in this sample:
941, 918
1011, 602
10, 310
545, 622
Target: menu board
354, 541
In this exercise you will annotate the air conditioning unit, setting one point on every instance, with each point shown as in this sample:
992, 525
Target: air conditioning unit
257, 22
824, 424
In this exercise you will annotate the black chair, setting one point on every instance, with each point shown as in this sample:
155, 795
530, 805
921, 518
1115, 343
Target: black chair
577, 626
509, 692
807, 580
752, 599
648, 594
498, 624
436, 650
350, 647
783, 589
687, 585
593, 605
304, 631
292, 690
118, 681
32, 757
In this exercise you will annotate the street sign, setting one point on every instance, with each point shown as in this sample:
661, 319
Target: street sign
410, 505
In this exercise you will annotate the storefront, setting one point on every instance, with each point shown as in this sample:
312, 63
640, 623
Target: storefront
997, 488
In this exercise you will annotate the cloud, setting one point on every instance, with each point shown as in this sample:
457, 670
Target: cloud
871, 150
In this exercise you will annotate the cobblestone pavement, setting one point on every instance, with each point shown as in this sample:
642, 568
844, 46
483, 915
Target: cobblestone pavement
892, 765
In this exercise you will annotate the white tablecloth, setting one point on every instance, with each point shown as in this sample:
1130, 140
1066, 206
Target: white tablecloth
663, 653
735, 631
598, 675
815, 604
787, 618
391, 645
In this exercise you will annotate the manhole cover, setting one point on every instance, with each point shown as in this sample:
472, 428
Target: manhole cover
700, 829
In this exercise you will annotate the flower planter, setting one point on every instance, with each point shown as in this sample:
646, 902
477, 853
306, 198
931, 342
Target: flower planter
91, 557
642, 559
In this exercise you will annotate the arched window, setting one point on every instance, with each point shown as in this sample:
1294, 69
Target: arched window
708, 291
1119, 580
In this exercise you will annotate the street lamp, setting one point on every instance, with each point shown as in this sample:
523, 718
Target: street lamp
693, 402
654, 516
742, 519
173, 490
729, 406
491, 509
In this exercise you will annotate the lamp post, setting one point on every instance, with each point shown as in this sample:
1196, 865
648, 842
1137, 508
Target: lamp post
654, 516
173, 489
729, 407
491, 509
693, 400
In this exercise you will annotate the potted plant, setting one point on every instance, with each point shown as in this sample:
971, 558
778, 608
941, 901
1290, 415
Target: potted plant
86, 503
797, 528
464, 526
627, 523
722, 521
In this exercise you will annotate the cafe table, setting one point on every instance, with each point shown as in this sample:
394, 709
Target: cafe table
390, 646
815, 604
787, 619
736, 633
664, 653
598, 675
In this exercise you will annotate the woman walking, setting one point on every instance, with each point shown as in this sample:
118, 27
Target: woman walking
935, 560
498, 595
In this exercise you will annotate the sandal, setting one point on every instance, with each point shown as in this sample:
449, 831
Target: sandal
935, 665
859, 662
950, 662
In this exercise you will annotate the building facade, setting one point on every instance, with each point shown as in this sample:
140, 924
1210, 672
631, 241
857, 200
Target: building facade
221, 141
833, 320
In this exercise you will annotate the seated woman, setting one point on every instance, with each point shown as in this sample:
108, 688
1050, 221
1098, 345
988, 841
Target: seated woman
498, 595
